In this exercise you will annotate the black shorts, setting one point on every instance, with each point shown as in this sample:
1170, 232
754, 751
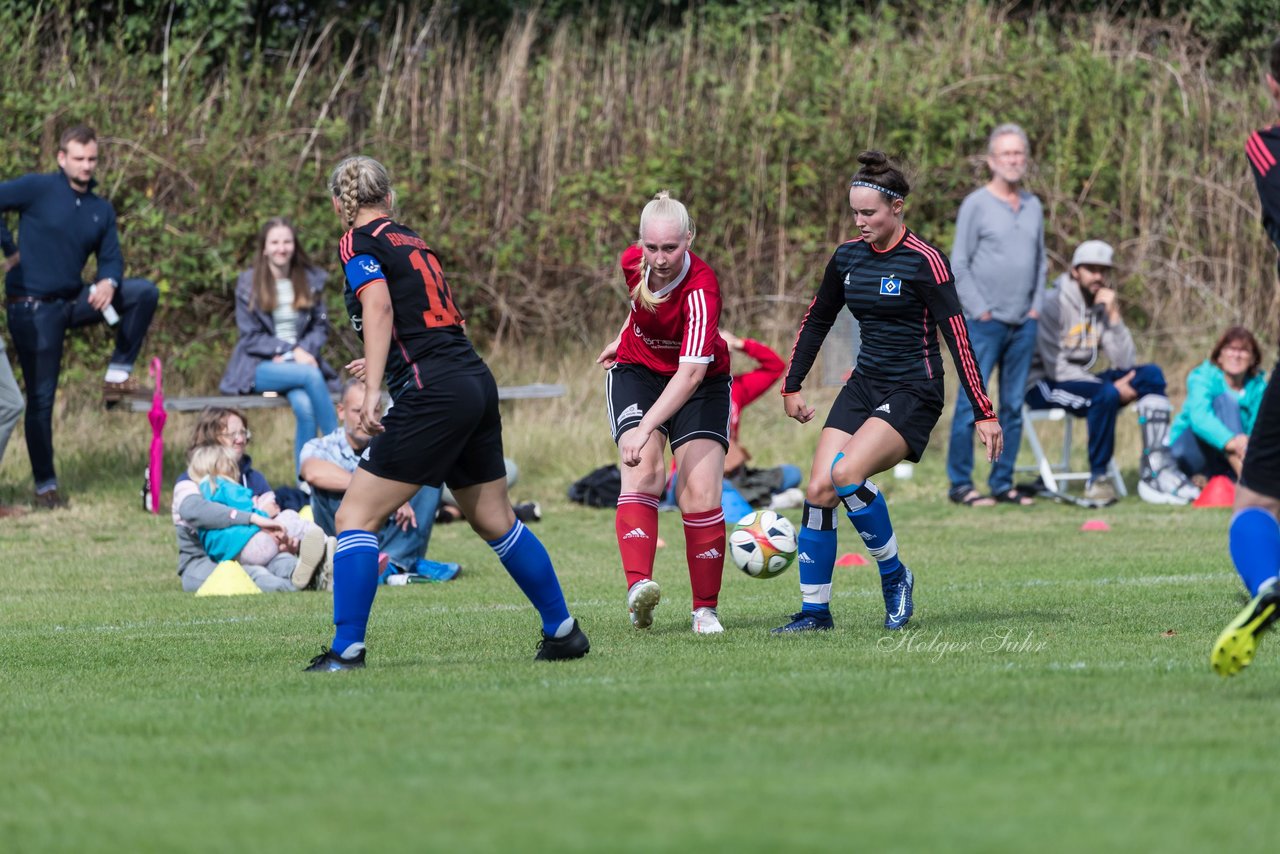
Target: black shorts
911, 408
630, 390
1261, 471
449, 432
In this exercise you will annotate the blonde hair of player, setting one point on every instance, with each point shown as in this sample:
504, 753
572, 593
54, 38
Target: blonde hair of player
662, 206
208, 462
361, 182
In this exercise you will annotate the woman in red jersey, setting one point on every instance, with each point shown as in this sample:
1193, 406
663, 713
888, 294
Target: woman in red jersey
668, 381
902, 291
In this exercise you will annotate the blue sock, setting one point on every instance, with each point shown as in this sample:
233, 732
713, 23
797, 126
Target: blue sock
1254, 538
817, 547
870, 517
355, 581
529, 565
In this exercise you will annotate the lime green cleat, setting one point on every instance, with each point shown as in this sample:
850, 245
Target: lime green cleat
1238, 642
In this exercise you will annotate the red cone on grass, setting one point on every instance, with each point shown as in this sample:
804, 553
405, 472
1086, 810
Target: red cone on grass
1218, 492
1095, 525
851, 560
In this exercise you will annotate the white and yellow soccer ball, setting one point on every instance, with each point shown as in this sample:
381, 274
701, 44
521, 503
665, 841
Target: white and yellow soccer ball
763, 544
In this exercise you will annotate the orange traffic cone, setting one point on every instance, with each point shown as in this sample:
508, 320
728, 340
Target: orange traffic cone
1218, 492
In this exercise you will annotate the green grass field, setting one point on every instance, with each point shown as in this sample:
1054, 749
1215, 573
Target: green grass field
1053, 693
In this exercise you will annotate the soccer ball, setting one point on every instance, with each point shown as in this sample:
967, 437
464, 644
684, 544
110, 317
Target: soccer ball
763, 544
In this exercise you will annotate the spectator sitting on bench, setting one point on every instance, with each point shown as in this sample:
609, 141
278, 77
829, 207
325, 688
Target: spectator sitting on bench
283, 323
1224, 395
1081, 320
193, 512
328, 463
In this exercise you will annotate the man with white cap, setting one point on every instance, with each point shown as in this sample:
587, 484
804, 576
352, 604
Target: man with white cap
1080, 321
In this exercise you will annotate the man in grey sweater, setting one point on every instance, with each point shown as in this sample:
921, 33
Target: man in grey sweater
1000, 269
1081, 320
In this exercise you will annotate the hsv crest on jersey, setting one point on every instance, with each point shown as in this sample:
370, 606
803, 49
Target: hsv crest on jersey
369, 265
890, 285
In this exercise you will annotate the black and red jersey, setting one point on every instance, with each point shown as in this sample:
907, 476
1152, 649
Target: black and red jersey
685, 327
428, 340
1263, 149
901, 298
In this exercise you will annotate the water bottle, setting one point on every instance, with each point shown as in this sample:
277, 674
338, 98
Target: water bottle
108, 312
148, 503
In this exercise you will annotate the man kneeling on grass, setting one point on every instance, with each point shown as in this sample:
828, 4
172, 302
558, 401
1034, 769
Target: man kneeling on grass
327, 465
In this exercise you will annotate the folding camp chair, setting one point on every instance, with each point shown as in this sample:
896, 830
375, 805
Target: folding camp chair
1055, 475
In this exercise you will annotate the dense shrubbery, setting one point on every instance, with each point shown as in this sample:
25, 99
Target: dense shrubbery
525, 161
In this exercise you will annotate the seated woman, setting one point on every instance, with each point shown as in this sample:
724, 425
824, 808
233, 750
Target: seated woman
283, 325
193, 512
1211, 433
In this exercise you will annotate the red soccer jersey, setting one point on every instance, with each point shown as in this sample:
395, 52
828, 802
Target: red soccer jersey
684, 328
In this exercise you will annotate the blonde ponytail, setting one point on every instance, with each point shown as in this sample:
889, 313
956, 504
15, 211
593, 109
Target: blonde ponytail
360, 182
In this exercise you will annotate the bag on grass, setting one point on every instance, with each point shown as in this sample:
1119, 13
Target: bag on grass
600, 488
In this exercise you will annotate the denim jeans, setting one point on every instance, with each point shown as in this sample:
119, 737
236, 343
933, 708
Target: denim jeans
1195, 455
402, 547
1009, 347
38, 331
308, 394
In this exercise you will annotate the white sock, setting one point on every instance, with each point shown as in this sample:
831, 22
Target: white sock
116, 375
351, 651
565, 628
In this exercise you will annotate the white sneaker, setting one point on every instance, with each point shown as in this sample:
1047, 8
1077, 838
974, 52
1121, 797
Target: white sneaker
706, 622
311, 552
642, 598
787, 499
1167, 486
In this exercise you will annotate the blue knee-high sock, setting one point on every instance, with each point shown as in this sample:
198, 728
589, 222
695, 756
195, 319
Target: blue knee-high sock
817, 546
527, 562
869, 514
1254, 538
355, 581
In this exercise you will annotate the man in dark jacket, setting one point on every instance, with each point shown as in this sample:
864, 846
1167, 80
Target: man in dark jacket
61, 223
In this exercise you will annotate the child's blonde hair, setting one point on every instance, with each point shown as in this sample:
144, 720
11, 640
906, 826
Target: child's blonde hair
661, 206
211, 461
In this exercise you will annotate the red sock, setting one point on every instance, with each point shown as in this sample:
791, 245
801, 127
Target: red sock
637, 527
704, 548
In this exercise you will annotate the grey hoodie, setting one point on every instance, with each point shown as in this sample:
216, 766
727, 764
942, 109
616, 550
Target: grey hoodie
1072, 333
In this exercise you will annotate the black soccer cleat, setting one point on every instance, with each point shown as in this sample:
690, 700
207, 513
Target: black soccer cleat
329, 660
572, 645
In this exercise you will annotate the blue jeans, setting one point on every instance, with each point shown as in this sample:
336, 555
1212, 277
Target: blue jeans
1195, 455
1098, 404
1009, 347
308, 394
39, 329
402, 547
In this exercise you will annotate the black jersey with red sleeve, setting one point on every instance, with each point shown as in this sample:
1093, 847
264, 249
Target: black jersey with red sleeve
684, 327
428, 341
1263, 150
901, 298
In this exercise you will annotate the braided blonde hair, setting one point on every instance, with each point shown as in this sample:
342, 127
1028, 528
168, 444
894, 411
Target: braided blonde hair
661, 206
360, 182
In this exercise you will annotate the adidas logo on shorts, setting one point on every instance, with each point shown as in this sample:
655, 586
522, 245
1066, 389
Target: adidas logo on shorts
884, 407
635, 533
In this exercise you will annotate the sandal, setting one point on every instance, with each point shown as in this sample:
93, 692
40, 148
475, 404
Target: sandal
970, 497
1013, 496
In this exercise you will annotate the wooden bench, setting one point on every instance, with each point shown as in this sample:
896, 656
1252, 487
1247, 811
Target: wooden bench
271, 398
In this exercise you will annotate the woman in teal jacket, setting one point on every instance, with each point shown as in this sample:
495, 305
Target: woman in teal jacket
1211, 433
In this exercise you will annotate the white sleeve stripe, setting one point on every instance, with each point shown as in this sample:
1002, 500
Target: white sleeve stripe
698, 360
696, 334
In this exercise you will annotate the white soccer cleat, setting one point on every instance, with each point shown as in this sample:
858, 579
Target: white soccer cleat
642, 598
706, 622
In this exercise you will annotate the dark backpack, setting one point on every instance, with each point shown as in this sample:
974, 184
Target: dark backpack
600, 488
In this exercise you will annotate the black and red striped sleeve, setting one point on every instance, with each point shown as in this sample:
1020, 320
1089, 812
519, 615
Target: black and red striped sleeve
936, 286
815, 325
1263, 150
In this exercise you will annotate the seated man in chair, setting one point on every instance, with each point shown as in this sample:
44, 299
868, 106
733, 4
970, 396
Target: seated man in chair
1081, 321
